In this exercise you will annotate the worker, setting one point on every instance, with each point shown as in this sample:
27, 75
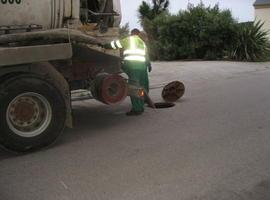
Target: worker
136, 64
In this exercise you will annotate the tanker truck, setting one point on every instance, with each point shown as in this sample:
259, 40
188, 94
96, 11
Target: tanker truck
49, 48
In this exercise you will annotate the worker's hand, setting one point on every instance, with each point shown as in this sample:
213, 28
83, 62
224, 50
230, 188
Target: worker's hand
101, 45
149, 67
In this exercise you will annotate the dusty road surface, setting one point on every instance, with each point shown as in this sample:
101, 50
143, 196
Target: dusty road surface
214, 145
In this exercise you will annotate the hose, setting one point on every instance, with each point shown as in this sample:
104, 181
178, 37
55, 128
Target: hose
54, 34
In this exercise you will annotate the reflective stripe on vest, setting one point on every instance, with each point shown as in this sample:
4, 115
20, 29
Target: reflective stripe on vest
135, 58
118, 44
113, 45
134, 53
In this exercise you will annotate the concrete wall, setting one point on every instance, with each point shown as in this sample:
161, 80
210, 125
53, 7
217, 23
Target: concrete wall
263, 13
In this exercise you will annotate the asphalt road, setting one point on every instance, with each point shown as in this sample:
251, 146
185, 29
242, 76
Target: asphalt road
214, 145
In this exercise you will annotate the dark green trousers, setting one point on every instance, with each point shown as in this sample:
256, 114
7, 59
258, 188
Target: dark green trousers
138, 75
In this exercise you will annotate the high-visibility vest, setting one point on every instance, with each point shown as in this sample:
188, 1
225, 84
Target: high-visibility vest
134, 48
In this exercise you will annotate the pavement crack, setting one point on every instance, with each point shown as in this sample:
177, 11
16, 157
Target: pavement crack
64, 185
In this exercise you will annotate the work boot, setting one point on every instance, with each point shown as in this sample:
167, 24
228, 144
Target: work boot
134, 113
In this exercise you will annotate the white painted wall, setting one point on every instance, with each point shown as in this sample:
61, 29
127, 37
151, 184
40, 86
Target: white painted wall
263, 14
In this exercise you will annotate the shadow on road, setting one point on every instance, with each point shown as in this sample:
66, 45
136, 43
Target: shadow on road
98, 117
91, 119
88, 120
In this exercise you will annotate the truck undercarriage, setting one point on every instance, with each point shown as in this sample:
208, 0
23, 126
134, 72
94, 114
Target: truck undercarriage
40, 67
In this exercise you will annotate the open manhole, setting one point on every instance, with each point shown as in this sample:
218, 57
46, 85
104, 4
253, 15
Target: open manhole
162, 105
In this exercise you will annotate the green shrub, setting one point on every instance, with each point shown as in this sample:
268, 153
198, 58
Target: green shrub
251, 43
201, 32
198, 33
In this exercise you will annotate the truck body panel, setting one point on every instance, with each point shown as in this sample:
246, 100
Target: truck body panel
47, 13
34, 54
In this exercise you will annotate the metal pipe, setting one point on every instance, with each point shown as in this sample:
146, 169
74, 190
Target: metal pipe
76, 9
102, 14
54, 34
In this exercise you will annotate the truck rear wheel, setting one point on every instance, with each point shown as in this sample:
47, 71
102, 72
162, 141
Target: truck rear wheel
32, 113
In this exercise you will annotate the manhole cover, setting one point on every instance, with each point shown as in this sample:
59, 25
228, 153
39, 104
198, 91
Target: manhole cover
173, 91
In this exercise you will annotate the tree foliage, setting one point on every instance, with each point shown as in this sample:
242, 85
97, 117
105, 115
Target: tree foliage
200, 32
151, 11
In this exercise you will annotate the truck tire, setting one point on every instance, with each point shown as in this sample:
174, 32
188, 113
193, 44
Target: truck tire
32, 113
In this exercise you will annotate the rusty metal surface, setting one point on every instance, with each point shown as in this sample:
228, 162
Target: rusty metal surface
109, 88
173, 91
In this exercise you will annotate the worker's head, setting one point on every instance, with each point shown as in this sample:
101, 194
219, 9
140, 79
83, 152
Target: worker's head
135, 31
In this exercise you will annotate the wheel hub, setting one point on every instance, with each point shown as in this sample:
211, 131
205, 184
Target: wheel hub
24, 112
29, 114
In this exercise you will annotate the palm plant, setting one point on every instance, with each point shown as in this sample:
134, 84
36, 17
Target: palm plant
251, 43
151, 11
160, 6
